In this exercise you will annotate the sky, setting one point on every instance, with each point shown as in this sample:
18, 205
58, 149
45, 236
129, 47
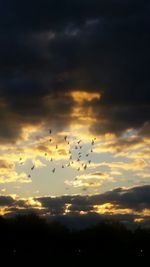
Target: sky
75, 108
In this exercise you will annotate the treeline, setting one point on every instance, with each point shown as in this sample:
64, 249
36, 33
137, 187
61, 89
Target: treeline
26, 239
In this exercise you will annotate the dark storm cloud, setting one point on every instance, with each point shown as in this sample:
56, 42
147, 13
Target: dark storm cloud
58, 205
50, 47
6, 201
136, 198
68, 208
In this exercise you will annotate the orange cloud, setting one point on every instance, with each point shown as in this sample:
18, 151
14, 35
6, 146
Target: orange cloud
83, 96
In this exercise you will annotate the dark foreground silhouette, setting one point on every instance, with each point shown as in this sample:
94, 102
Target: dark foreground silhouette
30, 240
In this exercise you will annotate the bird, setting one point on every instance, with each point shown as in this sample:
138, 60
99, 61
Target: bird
85, 166
50, 131
91, 150
87, 155
32, 168
89, 161
53, 170
65, 138
29, 175
50, 140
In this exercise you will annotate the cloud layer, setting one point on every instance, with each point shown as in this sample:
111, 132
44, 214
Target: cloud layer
126, 205
51, 48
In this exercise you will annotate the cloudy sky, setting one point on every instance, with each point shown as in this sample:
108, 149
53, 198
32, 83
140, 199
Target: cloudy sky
75, 107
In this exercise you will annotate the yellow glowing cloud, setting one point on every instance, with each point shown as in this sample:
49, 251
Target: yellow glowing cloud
81, 183
8, 173
138, 220
34, 203
38, 163
135, 165
96, 175
82, 114
3, 210
67, 208
30, 132
11, 177
128, 147
110, 208
144, 213
81, 96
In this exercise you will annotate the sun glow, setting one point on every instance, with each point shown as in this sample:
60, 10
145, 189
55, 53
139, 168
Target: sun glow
81, 96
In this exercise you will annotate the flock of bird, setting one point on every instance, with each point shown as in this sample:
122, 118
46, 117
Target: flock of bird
78, 157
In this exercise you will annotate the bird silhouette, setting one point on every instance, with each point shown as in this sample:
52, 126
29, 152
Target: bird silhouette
50, 131
89, 161
53, 170
65, 138
32, 168
85, 166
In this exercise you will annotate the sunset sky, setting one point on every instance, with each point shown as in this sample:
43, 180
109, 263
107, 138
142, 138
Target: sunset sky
78, 69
